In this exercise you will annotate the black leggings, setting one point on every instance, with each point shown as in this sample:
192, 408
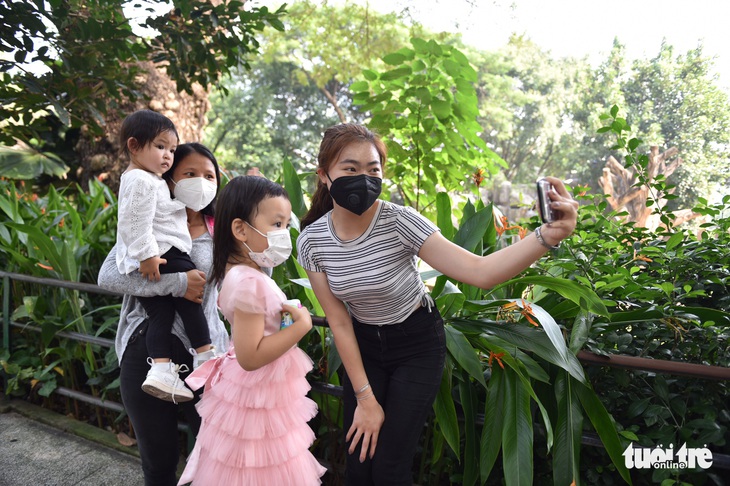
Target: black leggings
404, 363
154, 420
161, 311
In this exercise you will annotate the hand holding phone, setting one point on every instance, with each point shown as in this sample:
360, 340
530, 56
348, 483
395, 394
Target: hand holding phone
543, 201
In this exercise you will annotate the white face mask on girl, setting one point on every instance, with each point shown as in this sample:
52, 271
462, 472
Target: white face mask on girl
195, 192
278, 251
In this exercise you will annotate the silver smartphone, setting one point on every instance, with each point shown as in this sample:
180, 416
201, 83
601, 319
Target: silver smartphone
543, 201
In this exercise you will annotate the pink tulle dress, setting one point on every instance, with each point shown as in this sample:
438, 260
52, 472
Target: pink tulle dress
254, 429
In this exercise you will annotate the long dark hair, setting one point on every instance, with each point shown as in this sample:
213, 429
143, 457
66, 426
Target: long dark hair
185, 149
144, 126
239, 198
335, 139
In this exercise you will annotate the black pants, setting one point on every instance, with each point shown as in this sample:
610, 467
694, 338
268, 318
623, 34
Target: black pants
404, 363
161, 312
154, 420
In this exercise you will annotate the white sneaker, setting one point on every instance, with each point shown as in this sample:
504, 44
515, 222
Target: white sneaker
200, 358
163, 382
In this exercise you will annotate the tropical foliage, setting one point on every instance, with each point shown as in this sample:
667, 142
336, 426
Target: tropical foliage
515, 404
425, 105
65, 64
64, 236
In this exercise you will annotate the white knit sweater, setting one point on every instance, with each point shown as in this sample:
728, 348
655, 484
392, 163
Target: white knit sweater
149, 222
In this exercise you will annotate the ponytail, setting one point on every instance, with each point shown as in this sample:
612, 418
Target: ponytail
321, 205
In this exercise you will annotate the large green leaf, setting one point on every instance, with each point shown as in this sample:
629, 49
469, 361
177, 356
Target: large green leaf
306, 284
472, 229
579, 331
450, 300
44, 244
294, 189
491, 442
517, 436
446, 417
441, 108
399, 72
443, 215
568, 431
498, 346
489, 241
9, 206
27, 164
548, 324
705, 314
603, 423
471, 449
464, 353
529, 339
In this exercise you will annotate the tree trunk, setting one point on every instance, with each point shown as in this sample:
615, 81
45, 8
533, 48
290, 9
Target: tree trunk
99, 156
619, 184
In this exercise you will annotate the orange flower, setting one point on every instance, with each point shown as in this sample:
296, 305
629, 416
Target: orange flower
641, 257
478, 177
495, 356
522, 233
525, 310
527, 314
502, 225
46, 267
509, 306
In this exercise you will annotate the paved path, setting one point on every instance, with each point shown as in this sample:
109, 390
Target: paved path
33, 453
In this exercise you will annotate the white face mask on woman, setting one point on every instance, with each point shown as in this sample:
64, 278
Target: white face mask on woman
278, 251
195, 192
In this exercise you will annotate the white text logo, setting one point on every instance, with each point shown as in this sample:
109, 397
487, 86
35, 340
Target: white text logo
658, 458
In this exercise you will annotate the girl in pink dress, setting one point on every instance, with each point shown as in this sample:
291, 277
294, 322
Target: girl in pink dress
254, 408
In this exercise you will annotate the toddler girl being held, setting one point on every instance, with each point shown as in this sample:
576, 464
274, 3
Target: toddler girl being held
153, 237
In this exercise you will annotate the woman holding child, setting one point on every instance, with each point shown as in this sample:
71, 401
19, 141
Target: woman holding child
155, 421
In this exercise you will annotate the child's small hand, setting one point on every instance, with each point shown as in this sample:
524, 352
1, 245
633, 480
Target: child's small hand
300, 316
150, 268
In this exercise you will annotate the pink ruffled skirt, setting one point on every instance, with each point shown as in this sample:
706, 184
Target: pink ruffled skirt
254, 429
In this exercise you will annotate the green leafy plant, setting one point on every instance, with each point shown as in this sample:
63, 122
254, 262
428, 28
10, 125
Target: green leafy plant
668, 291
62, 235
66, 64
425, 107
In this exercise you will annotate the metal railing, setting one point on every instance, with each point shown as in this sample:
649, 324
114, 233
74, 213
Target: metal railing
706, 372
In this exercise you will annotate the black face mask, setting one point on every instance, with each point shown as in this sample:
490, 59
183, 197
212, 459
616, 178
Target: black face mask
356, 193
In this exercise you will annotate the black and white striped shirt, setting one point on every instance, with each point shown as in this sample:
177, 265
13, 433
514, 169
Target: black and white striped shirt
374, 274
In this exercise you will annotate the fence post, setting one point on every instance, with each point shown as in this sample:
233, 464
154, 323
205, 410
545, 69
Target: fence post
6, 313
